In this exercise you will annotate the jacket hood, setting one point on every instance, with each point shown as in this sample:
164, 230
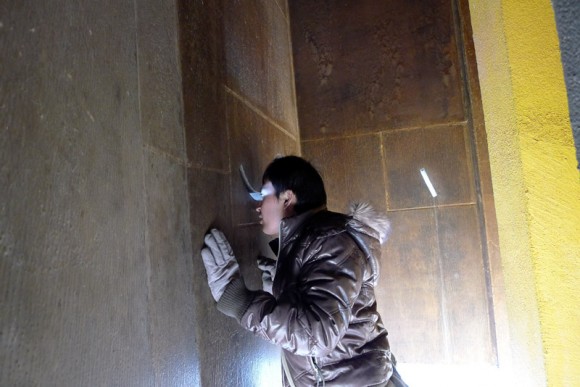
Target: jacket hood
369, 229
366, 214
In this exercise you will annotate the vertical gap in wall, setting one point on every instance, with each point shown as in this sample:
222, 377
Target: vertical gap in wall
233, 170
384, 170
467, 103
145, 166
441, 277
293, 74
178, 56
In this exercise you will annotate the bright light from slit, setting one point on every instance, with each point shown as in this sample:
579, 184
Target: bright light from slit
428, 182
266, 368
448, 375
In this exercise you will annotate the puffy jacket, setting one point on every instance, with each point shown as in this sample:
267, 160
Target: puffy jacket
323, 311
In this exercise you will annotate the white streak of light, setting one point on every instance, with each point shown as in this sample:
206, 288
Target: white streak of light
428, 182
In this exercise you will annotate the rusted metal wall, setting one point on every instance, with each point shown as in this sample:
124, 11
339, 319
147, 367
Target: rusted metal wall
381, 93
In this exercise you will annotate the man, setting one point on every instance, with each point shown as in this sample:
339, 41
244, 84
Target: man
322, 308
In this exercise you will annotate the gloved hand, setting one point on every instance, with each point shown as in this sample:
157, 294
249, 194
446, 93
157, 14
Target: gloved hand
220, 264
268, 267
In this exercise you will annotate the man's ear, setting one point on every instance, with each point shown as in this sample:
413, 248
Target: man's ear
289, 198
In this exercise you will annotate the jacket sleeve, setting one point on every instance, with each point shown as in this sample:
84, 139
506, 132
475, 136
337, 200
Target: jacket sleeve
311, 316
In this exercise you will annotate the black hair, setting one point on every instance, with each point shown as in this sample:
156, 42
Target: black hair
298, 175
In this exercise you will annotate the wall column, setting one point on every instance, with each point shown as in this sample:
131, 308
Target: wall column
536, 185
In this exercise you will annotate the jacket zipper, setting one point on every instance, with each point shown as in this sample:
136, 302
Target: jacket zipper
317, 371
279, 242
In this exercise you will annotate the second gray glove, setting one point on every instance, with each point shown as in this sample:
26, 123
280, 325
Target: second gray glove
268, 267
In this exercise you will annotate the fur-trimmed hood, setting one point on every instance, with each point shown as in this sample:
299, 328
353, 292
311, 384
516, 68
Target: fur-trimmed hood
370, 230
366, 214
366, 226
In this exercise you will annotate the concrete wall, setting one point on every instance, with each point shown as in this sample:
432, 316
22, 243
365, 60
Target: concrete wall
103, 143
536, 185
94, 230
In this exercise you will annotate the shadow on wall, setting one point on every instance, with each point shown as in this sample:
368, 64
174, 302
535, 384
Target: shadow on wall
568, 23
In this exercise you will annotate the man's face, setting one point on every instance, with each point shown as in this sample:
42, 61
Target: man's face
271, 210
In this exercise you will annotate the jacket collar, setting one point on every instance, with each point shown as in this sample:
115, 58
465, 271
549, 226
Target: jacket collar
289, 227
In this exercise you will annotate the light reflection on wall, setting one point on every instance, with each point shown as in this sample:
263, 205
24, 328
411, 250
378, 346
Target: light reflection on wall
422, 375
267, 370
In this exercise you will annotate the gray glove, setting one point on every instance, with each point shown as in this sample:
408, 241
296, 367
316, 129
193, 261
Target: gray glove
220, 264
268, 267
